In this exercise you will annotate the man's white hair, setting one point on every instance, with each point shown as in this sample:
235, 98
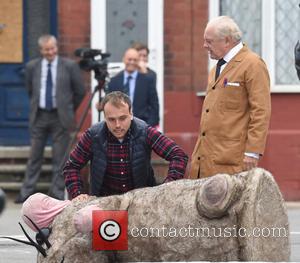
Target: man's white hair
225, 26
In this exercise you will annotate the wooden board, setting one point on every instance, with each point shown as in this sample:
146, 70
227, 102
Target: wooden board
11, 31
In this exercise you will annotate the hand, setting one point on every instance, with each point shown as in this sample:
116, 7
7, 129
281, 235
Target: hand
142, 67
249, 163
82, 197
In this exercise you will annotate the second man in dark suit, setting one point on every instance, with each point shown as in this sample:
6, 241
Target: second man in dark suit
55, 89
140, 88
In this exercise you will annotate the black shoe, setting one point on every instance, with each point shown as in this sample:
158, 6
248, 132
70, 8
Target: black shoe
20, 199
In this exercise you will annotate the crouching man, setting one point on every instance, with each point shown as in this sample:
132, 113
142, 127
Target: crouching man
119, 149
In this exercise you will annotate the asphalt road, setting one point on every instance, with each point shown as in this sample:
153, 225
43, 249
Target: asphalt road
13, 252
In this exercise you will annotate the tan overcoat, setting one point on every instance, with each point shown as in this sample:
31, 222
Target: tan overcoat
235, 116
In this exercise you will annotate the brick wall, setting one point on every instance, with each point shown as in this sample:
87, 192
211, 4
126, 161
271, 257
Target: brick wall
73, 25
185, 58
185, 68
282, 152
74, 32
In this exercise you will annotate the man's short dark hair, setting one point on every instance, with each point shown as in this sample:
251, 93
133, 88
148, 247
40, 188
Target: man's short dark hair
117, 98
140, 46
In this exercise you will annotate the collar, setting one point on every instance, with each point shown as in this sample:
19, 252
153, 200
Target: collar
53, 63
232, 52
133, 75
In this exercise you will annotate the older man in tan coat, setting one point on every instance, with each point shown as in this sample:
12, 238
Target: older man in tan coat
236, 110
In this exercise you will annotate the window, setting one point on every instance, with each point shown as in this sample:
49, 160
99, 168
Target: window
127, 22
40, 17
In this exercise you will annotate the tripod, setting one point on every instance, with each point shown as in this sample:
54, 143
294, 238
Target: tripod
98, 87
101, 84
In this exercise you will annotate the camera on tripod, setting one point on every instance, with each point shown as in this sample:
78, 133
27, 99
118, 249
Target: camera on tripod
91, 62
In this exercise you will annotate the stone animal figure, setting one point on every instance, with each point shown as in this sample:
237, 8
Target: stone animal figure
222, 203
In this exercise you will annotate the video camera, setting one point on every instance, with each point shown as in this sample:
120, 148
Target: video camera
89, 61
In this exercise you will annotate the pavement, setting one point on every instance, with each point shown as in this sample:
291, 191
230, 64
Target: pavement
13, 252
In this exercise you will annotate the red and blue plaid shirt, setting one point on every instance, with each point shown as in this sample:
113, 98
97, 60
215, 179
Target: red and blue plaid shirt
118, 176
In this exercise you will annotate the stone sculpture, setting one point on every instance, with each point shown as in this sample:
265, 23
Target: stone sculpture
221, 212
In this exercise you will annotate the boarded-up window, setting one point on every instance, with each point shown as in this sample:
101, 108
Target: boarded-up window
11, 31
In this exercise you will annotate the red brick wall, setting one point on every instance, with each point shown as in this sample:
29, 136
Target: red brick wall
282, 155
185, 58
185, 68
74, 32
73, 25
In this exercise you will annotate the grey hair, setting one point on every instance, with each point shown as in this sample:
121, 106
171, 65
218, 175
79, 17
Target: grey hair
45, 38
226, 27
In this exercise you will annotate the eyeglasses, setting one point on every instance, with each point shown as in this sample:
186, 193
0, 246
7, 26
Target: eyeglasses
41, 238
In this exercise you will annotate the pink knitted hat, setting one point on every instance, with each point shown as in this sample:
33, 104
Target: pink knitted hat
42, 209
83, 219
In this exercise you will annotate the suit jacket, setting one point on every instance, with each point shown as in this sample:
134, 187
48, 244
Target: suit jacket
235, 116
145, 101
152, 75
69, 89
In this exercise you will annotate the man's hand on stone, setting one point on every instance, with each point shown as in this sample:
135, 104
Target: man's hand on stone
82, 197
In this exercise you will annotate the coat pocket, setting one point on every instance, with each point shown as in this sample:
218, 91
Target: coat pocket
228, 152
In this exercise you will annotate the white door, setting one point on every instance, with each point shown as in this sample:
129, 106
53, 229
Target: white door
116, 24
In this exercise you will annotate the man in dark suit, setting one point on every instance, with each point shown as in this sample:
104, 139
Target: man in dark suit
55, 89
140, 88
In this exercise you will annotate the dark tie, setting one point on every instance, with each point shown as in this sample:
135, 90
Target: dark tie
220, 63
49, 85
127, 85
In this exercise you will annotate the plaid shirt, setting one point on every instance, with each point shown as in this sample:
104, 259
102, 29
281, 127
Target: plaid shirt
118, 176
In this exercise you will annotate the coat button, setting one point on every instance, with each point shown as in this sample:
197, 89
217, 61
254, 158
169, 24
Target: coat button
203, 133
213, 87
198, 158
207, 110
